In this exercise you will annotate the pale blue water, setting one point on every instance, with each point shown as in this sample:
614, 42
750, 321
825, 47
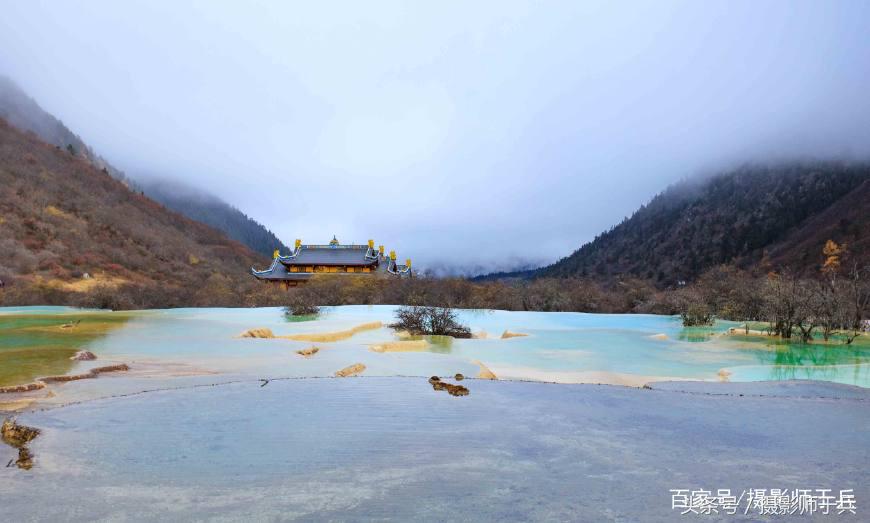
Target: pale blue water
190, 434
561, 344
393, 449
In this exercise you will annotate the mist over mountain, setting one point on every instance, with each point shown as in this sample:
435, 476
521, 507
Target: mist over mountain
23, 112
757, 216
512, 264
457, 134
213, 211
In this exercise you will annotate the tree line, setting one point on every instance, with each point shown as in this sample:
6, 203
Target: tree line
796, 307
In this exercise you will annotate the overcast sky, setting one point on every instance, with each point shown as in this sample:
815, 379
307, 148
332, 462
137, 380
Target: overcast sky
472, 132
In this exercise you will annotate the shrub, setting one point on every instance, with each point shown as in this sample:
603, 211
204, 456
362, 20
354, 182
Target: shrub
108, 297
431, 321
696, 315
302, 302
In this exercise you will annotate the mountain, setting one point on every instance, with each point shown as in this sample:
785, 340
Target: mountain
214, 212
68, 227
779, 215
21, 111
481, 270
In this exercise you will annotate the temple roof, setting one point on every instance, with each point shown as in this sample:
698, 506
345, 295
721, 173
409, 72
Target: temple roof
307, 257
353, 255
278, 272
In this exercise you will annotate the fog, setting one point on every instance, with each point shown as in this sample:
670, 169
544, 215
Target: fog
479, 136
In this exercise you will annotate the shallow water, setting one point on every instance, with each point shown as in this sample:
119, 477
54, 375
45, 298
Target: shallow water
191, 433
199, 344
392, 448
40, 341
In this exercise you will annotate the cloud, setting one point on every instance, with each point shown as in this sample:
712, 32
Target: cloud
461, 134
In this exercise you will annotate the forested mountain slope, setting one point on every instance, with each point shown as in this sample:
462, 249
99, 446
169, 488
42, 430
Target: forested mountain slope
785, 212
61, 217
23, 112
215, 212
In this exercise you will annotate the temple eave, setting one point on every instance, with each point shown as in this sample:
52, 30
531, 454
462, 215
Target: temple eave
309, 260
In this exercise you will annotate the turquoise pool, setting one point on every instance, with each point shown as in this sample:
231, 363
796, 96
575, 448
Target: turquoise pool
562, 347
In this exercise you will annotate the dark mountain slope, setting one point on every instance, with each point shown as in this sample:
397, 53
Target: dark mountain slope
215, 212
846, 221
787, 211
62, 217
24, 113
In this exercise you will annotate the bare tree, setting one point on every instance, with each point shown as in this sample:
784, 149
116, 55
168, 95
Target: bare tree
808, 309
781, 300
857, 300
421, 319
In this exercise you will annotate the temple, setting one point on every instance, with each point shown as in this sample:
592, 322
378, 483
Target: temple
307, 260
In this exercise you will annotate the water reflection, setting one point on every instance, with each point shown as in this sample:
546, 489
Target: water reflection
437, 344
696, 334
440, 344
780, 359
298, 319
